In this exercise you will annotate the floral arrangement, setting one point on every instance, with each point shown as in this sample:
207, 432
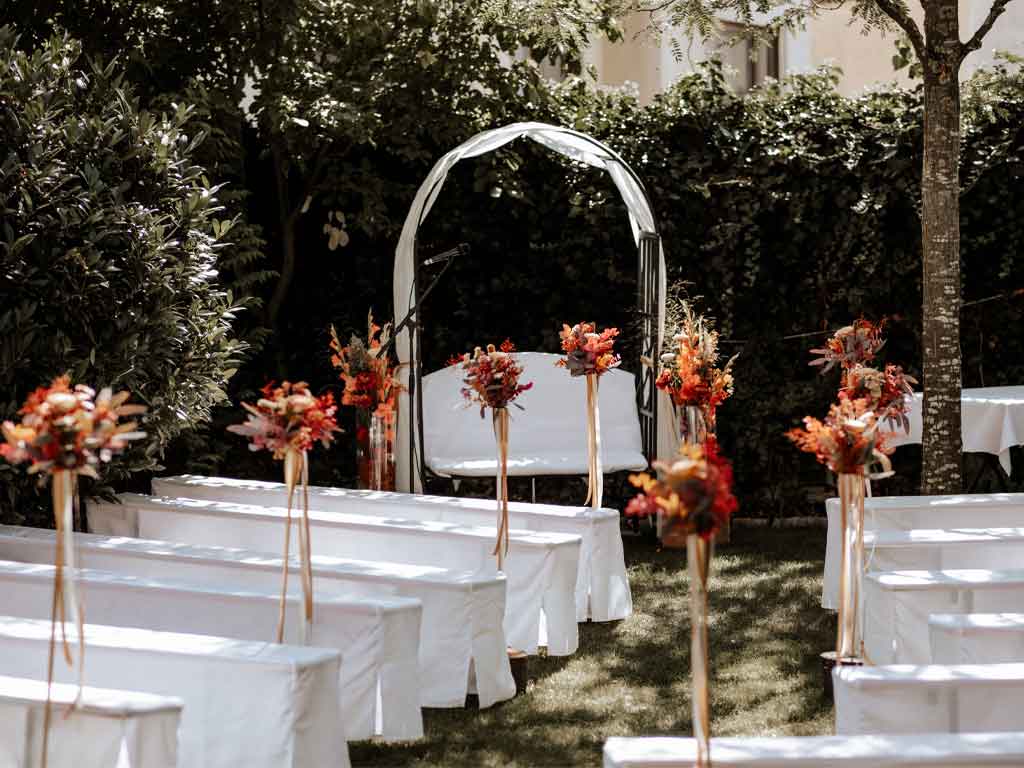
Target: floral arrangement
65, 428
689, 371
288, 418
851, 346
492, 376
884, 391
588, 352
848, 441
370, 382
693, 494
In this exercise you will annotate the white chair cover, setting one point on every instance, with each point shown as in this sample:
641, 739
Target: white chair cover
106, 729
929, 699
462, 613
976, 638
378, 637
904, 513
979, 750
256, 705
540, 569
602, 586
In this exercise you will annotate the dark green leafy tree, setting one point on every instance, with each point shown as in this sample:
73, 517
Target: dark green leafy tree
108, 246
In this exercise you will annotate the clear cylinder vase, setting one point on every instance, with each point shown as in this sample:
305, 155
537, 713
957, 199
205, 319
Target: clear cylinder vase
382, 453
693, 426
849, 639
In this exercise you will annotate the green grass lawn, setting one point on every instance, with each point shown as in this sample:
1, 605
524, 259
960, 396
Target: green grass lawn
631, 678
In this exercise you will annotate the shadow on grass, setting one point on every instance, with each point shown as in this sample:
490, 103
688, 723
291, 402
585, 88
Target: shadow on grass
632, 677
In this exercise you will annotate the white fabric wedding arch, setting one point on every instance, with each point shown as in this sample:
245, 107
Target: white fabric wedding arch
658, 437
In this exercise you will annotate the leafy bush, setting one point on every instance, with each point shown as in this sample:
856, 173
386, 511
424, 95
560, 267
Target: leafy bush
108, 246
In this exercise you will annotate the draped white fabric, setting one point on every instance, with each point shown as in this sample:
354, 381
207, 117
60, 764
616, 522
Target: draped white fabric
540, 569
249, 704
976, 638
979, 750
462, 612
929, 699
905, 513
602, 586
562, 140
106, 729
377, 637
898, 604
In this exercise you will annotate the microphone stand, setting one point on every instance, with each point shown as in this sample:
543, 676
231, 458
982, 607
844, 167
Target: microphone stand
407, 321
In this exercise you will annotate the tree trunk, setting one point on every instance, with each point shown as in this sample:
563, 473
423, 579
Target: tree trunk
940, 217
286, 220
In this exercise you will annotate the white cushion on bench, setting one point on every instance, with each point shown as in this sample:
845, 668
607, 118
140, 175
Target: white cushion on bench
548, 437
979, 750
904, 513
602, 587
107, 728
976, 638
929, 699
257, 705
462, 612
898, 604
540, 568
378, 637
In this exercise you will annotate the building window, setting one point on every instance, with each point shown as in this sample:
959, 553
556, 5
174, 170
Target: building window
750, 61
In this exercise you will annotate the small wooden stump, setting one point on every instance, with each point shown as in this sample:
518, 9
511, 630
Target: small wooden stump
828, 663
520, 664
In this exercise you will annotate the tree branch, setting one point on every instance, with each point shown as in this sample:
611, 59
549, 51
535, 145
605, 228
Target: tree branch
896, 11
976, 39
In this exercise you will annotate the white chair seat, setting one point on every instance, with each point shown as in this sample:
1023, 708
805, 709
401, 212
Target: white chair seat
979, 750
897, 604
106, 728
462, 612
929, 699
904, 513
547, 437
377, 637
976, 638
540, 569
602, 586
257, 705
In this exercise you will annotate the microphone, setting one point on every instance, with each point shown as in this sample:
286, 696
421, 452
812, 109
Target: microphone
460, 250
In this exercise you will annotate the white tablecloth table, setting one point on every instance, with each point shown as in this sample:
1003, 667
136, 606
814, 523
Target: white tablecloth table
257, 705
904, 513
991, 420
929, 699
540, 568
939, 750
976, 638
378, 638
106, 729
462, 612
897, 605
602, 587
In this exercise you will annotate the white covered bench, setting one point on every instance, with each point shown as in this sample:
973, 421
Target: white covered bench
548, 437
898, 604
904, 513
257, 705
602, 586
939, 750
540, 568
462, 612
378, 637
929, 699
106, 728
976, 638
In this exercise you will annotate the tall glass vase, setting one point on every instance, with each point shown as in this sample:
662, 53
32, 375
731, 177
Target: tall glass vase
849, 639
382, 453
698, 563
693, 427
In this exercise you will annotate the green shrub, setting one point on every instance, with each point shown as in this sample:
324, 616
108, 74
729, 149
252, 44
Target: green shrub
108, 246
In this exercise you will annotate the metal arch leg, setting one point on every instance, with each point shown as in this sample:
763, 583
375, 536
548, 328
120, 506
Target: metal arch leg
533, 488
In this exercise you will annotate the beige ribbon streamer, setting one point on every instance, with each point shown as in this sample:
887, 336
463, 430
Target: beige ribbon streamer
64, 487
698, 562
500, 421
595, 478
296, 470
849, 639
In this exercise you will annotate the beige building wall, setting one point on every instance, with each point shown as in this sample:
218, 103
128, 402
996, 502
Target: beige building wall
833, 37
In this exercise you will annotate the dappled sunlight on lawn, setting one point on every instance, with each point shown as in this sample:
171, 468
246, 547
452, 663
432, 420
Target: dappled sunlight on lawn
631, 677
